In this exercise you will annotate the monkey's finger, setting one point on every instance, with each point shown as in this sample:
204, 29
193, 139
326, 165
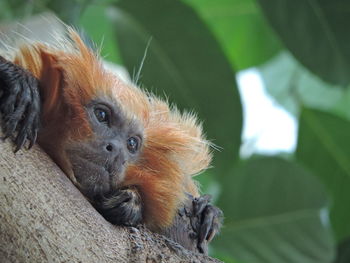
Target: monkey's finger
122, 207
8, 128
200, 203
216, 216
123, 214
13, 119
24, 130
119, 197
216, 224
35, 121
116, 199
203, 248
20, 140
12, 92
22, 134
206, 225
15, 122
11, 113
210, 225
198, 206
8, 103
33, 136
30, 124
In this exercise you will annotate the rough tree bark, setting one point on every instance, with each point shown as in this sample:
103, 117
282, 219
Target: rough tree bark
44, 218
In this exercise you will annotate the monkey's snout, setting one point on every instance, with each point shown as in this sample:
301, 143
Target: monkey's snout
115, 156
110, 168
109, 147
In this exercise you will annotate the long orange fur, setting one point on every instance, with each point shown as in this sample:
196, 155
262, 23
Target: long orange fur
174, 147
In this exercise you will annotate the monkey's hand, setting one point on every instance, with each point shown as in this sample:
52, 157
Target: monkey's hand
19, 104
206, 221
195, 224
121, 207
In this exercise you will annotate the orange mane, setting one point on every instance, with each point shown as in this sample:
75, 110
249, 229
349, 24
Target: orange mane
174, 147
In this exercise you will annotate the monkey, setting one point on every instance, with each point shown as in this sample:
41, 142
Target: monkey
130, 153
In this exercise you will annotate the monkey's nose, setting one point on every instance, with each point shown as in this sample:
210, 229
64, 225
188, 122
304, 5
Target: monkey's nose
114, 150
109, 147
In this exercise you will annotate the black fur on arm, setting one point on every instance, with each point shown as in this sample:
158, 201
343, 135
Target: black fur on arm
194, 226
19, 104
120, 207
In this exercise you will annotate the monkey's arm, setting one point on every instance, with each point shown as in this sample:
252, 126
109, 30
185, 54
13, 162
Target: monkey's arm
195, 223
121, 207
19, 104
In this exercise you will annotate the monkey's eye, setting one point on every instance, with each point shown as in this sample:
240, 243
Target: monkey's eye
101, 115
133, 144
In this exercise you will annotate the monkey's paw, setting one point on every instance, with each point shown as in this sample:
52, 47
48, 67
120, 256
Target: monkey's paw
206, 220
19, 104
122, 207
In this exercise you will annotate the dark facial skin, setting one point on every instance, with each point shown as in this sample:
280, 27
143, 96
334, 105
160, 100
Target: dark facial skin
99, 164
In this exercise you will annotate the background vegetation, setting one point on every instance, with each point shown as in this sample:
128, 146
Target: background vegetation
292, 209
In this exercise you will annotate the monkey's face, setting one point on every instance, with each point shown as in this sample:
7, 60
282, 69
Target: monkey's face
99, 163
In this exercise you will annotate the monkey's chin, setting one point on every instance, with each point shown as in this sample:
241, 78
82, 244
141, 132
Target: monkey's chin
93, 180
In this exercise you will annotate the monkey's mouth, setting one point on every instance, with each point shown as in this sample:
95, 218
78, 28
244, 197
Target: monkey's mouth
94, 179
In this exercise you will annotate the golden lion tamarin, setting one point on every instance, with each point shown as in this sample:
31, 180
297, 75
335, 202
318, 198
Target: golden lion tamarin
130, 153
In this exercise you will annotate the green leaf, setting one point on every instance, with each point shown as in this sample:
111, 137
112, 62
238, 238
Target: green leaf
342, 107
20, 9
275, 212
240, 28
185, 62
343, 255
69, 10
5, 11
324, 147
316, 32
96, 23
291, 84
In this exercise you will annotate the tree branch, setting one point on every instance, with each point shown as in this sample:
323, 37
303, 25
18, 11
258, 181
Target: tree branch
44, 218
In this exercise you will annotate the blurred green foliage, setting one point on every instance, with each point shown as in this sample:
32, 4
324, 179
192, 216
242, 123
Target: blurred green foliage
241, 30
316, 32
277, 209
323, 136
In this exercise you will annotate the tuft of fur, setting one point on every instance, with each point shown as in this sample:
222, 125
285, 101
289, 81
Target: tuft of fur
174, 147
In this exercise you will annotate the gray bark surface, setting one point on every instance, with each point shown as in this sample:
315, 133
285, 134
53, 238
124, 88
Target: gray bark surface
44, 218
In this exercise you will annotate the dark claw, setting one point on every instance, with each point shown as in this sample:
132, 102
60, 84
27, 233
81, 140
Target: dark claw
20, 140
204, 229
121, 207
19, 104
33, 136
